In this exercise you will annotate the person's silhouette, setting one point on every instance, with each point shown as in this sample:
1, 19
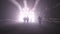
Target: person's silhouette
27, 19
39, 19
24, 19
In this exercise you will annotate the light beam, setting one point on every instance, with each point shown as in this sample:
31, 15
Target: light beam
35, 5
16, 4
25, 3
24, 12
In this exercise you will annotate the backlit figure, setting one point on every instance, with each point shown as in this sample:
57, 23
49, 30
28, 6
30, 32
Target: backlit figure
39, 19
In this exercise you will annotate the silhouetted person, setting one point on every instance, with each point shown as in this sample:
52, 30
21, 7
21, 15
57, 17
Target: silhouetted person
39, 19
26, 19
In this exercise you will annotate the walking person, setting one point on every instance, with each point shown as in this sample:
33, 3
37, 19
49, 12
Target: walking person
39, 19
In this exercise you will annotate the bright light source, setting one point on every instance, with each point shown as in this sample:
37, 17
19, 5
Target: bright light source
24, 13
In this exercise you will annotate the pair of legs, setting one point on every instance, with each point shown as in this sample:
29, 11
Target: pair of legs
26, 20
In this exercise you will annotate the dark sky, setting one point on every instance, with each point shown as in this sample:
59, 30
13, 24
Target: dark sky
51, 8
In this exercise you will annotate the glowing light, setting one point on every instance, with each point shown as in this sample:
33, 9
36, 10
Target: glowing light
35, 5
16, 4
24, 12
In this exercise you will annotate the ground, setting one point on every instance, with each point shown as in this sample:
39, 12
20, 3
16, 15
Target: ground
8, 27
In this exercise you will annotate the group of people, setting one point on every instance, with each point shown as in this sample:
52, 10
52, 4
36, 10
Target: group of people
26, 19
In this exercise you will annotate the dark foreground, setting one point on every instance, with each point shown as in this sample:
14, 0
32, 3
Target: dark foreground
8, 27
